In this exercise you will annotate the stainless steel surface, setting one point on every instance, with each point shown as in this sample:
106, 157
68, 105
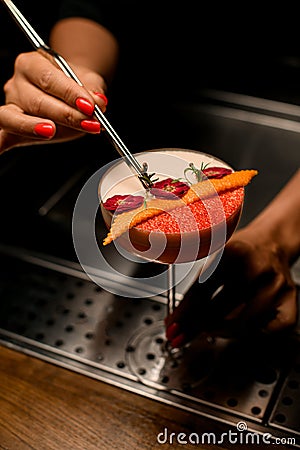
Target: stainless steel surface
286, 412
49, 309
44, 49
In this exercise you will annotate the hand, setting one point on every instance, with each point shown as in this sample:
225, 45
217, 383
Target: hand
258, 293
42, 103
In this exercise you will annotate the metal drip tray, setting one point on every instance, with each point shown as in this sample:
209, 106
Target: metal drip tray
51, 310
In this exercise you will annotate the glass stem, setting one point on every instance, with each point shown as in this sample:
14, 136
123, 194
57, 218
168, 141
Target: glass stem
171, 289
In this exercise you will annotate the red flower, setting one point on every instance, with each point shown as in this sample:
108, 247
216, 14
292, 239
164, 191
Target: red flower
169, 188
122, 203
216, 172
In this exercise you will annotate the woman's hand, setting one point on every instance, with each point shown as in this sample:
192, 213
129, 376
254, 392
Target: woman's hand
42, 104
252, 288
257, 292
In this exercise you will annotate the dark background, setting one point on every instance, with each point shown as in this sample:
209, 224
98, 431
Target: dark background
168, 57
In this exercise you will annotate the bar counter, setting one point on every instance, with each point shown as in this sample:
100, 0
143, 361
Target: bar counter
45, 407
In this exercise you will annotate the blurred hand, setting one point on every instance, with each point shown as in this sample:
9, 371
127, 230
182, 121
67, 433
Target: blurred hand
42, 104
258, 293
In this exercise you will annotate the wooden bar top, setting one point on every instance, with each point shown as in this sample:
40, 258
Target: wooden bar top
46, 407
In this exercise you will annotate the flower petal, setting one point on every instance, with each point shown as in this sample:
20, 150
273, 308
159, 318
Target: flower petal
216, 172
122, 203
169, 188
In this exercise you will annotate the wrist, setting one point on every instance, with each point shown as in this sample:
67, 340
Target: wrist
279, 232
280, 220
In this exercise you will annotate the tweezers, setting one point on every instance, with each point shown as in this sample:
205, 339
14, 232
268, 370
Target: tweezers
48, 52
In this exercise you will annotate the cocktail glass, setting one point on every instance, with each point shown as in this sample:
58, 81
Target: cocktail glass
150, 357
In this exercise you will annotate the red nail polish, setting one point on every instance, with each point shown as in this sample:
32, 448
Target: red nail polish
178, 341
93, 126
84, 106
44, 130
172, 331
103, 96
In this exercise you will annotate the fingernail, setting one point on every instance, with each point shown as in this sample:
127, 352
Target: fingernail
84, 106
44, 130
93, 126
103, 96
178, 341
172, 331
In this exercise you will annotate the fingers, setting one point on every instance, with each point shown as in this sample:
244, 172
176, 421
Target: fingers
276, 314
272, 302
38, 104
14, 121
287, 312
18, 129
196, 312
38, 71
267, 302
46, 96
101, 100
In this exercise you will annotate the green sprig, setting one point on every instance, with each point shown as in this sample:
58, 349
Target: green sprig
147, 179
197, 172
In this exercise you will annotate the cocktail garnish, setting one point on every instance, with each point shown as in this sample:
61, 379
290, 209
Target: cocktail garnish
212, 186
198, 191
216, 172
196, 172
147, 180
205, 172
122, 203
169, 188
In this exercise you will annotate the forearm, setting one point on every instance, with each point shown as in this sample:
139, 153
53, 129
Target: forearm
86, 43
281, 219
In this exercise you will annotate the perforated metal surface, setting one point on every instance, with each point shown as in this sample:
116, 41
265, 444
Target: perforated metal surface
286, 413
51, 310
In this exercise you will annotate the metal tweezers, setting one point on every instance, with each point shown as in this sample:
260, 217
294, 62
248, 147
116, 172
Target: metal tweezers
48, 52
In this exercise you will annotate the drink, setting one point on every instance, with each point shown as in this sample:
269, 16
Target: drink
187, 232
182, 239
184, 218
